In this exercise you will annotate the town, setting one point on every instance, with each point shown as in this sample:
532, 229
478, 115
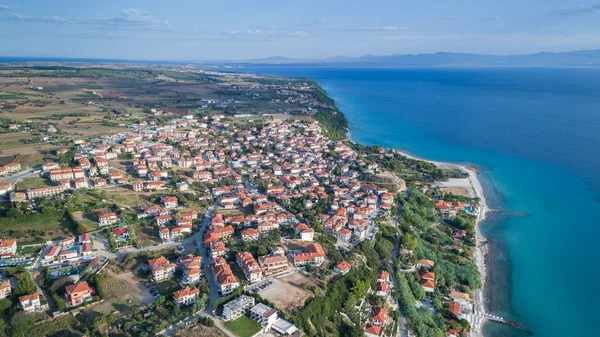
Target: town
242, 225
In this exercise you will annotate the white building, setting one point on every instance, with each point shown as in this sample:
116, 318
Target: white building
237, 307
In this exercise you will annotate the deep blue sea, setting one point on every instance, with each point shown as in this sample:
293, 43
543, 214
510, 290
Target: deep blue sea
535, 135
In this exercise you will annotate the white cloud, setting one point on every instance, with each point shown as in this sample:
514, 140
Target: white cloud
21, 17
584, 9
268, 33
134, 16
4, 8
385, 28
127, 18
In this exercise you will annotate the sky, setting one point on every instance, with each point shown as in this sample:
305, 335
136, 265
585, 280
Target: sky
239, 30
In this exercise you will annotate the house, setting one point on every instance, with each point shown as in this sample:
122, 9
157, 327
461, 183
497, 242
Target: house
137, 185
186, 296
252, 271
423, 263
5, 289
163, 272
169, 202
264, 315
121, 233
107, 219
84, 238
273, 264
78, 293
383, 276
224, 276
237, 307
249, 234
427, 281
51, 254
454, 307
85, 249
31, 303
452, 333
342, 267
8, 247
372, 330
382, 289
158, 262
463, 298
380, 316
304, 232
313, 254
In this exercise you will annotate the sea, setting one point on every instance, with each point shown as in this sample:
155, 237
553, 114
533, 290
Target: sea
534, 134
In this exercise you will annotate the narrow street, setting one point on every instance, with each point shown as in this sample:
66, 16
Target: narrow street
403, 324
208, 271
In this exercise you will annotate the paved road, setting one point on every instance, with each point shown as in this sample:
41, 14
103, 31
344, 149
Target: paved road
17, 176
208, 271
403, 324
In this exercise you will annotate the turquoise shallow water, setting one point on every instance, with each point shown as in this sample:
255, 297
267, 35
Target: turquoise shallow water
535, 134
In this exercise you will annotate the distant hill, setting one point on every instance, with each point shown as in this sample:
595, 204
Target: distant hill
544, 59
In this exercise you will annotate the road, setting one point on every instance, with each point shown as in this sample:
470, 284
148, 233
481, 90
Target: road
208, 271
403, 324
17, 176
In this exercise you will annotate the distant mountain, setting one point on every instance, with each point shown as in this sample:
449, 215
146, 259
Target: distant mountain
544, 59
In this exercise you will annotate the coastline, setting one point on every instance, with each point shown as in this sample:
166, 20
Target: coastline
480, 247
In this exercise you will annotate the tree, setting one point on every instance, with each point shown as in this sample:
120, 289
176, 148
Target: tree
384, 248
409, 241
60, 303
25, 285
12, 213
4, 304
207, 321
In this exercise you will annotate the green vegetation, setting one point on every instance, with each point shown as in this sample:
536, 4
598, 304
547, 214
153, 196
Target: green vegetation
454, 266
334, 123
243, 326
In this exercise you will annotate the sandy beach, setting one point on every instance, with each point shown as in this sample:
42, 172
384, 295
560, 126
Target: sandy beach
473, 185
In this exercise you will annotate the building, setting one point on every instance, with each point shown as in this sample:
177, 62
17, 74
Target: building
162, 273
313, 254
252, 271
284, 327
31, 303
50, 191
304, 232
380, 316
249, 234
427, 281
8, 247
273, 264
372, 330
224, 276
237, 307
108, 219
186, 296
169, 202
463, 298
5, 289
342, 267
78, 293
137, 185
264, 315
